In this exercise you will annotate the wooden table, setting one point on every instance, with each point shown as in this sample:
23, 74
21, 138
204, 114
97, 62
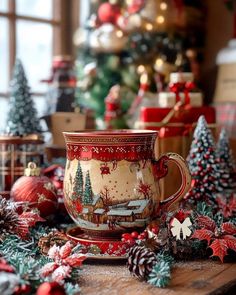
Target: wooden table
204, 277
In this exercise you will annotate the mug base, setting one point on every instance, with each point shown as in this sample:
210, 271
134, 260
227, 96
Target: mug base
99, 248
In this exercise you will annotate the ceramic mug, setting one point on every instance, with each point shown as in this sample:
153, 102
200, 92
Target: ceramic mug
111, 182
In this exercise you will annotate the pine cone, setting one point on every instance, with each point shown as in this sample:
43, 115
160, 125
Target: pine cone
9, 218
54, 237
141, 261
152, 244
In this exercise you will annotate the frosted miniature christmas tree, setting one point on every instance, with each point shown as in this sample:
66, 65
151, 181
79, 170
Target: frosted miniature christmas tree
88, 193
22, 116
78, 184
208, 177
226, 158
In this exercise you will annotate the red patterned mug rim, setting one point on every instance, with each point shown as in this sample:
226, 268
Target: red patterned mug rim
110, 145
115, 132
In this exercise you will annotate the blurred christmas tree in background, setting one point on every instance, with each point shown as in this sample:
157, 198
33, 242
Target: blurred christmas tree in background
22, 116
123, 39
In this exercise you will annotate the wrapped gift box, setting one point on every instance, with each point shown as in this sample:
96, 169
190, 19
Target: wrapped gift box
168, 99
155, 117
175, 128
181, 77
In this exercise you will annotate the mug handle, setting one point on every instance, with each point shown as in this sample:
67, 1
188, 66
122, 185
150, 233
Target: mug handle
160, 169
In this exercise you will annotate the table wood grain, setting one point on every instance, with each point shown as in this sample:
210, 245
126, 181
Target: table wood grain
202, 277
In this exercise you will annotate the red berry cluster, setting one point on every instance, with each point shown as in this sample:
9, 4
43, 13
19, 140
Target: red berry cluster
132, 238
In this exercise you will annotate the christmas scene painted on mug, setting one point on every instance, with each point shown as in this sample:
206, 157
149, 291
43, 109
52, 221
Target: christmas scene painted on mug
98, 199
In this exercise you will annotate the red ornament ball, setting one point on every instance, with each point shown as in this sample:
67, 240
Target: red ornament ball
38, 190
108, 13
134, 234
50, 288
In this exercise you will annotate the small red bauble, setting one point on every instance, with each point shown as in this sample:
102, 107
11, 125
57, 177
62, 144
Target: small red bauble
22, 289
134, 234
108, 13
135, 6
38, 190
56, 174
155, 230
50, 288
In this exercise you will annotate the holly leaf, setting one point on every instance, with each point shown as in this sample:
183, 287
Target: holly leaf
219, 248
23, 230
206, 222
31, 218
228, 228
231, 242
203, 234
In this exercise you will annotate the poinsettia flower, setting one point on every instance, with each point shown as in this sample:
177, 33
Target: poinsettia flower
61, 273
75, 260
4, 266
227, 206
65, 250
53, 252
63, 262
219, 238
48, 269
31, 218
27, 220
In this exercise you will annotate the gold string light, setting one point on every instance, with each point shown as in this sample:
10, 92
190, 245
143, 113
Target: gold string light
163, 6
160, 19
149, 26
141, 69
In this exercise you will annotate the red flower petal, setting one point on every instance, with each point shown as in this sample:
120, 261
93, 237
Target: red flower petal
219, 247
53, 252
229, 228
48, 269
61, 273
231, 242
31, 218
65, 250
75, 260
206, 222
203, 234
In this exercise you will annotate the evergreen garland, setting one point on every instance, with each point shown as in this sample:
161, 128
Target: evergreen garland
25, 257
204, 209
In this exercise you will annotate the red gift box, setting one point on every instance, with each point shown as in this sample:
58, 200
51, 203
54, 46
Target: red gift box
174, 121
176, 126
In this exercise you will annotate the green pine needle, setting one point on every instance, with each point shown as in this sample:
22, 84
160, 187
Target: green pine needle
72, 289
25, 258
165, 257
204, 209
160, 275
